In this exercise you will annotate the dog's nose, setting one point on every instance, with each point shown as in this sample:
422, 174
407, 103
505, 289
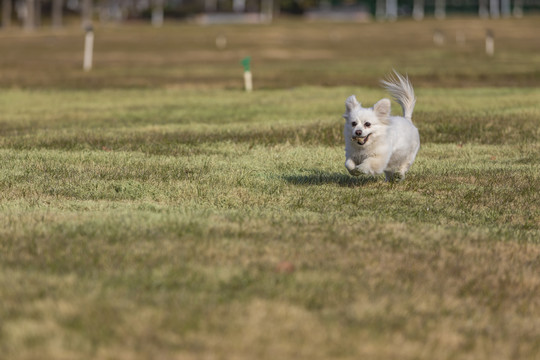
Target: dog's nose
358, 132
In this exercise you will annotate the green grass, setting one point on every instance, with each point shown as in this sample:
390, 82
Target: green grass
151, 223
189, 220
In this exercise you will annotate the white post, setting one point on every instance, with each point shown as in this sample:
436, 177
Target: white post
221, 42
248, 83
438, 37
460, 37
88, 49
246, 63
490, 43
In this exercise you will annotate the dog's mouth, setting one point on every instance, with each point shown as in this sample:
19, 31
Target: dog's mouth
361, 140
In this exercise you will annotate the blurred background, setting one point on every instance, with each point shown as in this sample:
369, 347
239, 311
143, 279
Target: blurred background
200, 43
36, 13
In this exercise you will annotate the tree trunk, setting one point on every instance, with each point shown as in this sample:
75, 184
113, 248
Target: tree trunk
157, 13
505, 8
380, 9
440, 9
239, 6
418, 10
37, 13
483, 9
267, 10
56, 14
6, 13
391, 9
86, 13
494, 8
210, 5
518, 8
276, 9
29, 19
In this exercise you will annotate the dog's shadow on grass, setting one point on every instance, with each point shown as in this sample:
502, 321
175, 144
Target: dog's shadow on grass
317, 177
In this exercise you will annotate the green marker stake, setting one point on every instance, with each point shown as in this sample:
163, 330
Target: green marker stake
246, 63
248, 84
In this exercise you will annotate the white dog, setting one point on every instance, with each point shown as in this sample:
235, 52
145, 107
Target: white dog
376, 142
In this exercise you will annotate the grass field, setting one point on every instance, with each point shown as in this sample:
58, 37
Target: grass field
152, 210
285, 55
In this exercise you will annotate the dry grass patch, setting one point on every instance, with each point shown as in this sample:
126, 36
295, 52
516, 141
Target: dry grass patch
285, 54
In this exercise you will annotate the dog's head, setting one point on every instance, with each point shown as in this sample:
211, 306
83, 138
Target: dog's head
363, 125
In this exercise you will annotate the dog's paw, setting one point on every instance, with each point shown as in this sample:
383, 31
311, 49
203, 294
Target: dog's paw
365, 169
355, 172
393, 177
352, 168
350, 165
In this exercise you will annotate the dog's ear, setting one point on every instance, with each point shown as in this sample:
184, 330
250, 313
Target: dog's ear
351, 103
382, 109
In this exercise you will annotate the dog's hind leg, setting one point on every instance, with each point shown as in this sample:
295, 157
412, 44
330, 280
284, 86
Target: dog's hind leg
407, 164
404, 168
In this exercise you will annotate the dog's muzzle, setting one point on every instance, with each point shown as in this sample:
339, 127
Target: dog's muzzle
361, 140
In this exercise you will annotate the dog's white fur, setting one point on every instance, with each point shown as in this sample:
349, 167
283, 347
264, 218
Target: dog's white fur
376, 142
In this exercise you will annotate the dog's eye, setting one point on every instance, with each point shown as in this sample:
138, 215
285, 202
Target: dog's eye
354, 123
368, 124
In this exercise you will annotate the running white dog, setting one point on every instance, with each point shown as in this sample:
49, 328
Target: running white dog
376, 142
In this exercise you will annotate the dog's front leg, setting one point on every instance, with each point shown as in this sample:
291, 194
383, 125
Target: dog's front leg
373, 165
352, 168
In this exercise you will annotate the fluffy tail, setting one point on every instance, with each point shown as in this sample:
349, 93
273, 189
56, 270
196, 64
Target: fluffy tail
402, 91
